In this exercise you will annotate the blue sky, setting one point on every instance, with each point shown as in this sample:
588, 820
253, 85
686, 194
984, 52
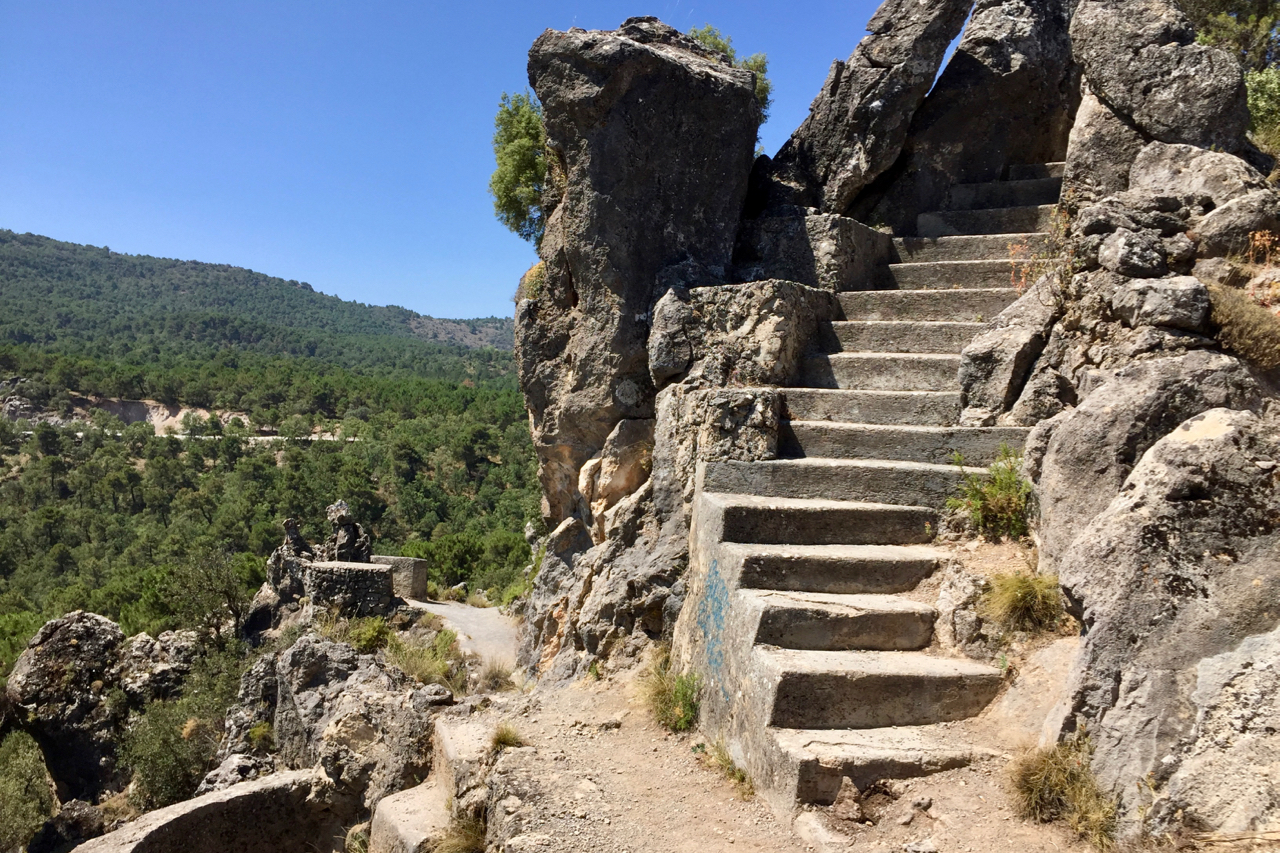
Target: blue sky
340, 143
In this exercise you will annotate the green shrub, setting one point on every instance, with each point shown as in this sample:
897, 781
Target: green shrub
997, 504
1244, 327
438, 662
169, 752
171, 744
1058, 784
1024, 602
365, 634
26, 795
671, 697
262, 737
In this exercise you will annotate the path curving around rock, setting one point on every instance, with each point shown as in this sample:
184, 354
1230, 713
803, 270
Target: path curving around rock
483, 631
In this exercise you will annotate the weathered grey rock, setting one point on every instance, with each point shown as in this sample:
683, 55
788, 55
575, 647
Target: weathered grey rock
826, 251
743, 334
409, 575
348, 543
1005, 98
994, 366
75, 822
298, 812
621, 467
1141, 60
366, 724
1179, 303
60, 686
234, 769
1094, 447
1185, 170
684, 123
858, 122
1137, 254
1046, 394
1100, 152
1176, 581
1225, 230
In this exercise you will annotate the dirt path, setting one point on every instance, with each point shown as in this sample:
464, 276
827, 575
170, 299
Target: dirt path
483, 631
615, 782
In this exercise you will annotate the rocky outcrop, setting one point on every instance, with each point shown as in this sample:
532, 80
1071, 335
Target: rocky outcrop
362, 722
858, 122
348, 543
1094, 447
76, 821
73, 688
609, 580
298, 812
652, 135
1173, 681
1145, 80
1005, 98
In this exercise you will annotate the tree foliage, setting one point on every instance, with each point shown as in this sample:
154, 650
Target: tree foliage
26, 795
1249, 29
712, 38
519, 148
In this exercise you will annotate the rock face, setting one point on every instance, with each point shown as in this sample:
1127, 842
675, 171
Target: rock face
1174, 678
652, 134
1140, 58
858, 122
609, 580
73, 688
297, 812
1005, 98
1094, 447
366, 725
348, 543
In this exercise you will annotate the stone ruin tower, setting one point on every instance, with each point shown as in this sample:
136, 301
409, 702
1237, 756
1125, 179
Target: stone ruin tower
747, 377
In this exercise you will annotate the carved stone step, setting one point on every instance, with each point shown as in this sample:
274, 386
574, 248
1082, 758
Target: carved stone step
864, 690
1021, 193
833, 622
948, 305
898, 336
875, 480
852, 569
808, 765
880, 371
789, 521
1031, 171
948, 275
931, 408
834, 440
970, 247
999, 220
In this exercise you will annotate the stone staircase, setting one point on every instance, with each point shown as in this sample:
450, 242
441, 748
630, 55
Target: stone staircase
816, 659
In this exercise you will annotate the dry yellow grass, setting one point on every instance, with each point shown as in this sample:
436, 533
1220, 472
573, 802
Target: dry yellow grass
1058, 784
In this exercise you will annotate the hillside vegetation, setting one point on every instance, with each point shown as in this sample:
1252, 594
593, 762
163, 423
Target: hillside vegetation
433, 456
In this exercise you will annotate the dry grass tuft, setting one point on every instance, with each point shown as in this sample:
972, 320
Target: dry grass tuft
1245, 327
719, 759
495, 676
1024, 602
505, 736
439, 662
1058, 784
671, 698
465, 835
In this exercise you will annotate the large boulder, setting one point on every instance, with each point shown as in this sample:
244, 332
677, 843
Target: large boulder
858, 122
1176, 581
1005, 98
651, 137
1100, 151
1141, 60
73, 688
1094, 447
364, 723
297, 812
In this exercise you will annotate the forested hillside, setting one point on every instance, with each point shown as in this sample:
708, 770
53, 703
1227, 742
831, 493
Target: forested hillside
433, 451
